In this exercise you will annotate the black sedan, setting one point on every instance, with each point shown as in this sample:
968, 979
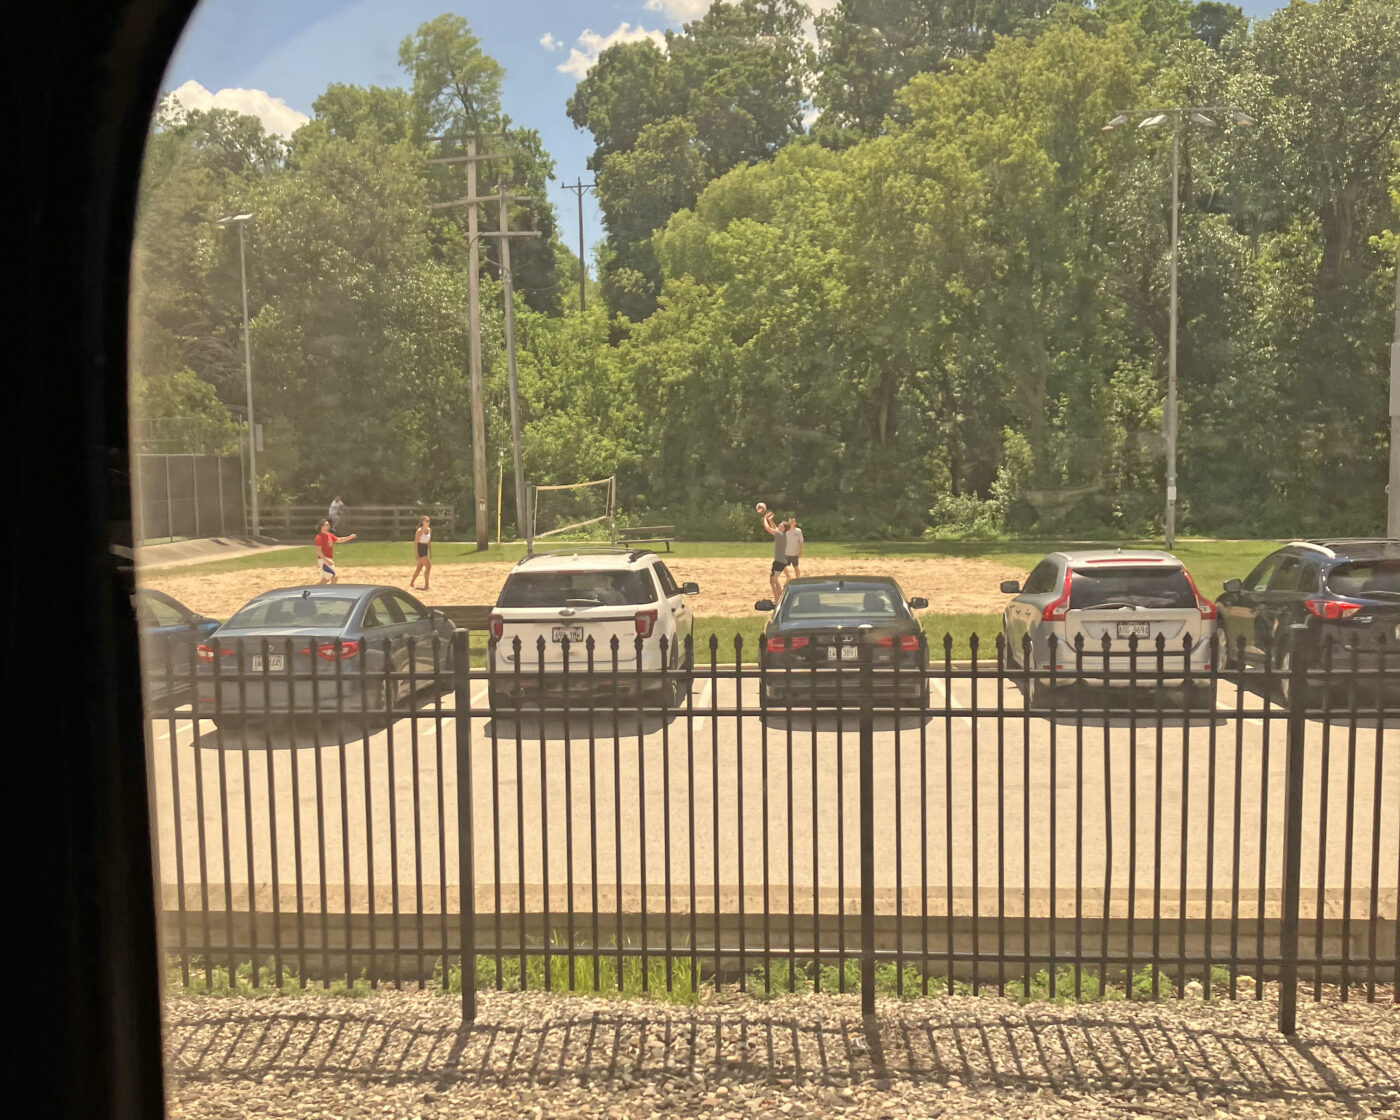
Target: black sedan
323, 650
823, 628
170, 633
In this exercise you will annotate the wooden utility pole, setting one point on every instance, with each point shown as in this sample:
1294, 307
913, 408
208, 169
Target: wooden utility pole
578, 187
504, 199
479, 479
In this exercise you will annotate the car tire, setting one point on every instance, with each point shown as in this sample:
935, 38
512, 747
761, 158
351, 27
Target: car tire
1010, 659
1203, 696
1039, 696
499, 699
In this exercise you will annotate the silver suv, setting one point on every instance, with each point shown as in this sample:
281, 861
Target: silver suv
1118, 594
556, 603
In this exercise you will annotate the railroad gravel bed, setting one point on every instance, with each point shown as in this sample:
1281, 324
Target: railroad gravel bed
405, 1054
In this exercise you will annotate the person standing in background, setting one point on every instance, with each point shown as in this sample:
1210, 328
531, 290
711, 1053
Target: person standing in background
794, 546
337, 514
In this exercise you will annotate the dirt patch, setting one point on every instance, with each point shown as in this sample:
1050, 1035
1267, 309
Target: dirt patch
728, 586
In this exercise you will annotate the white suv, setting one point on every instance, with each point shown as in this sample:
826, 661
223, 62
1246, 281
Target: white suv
565, 599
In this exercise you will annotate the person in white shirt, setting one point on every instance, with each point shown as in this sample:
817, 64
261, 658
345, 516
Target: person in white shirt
337, 514
423, 545
793, 546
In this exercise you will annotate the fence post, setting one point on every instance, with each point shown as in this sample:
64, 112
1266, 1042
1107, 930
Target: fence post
1293, 830
867, 833
466, 862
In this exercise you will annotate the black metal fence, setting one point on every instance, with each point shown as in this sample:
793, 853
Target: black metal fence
464, 814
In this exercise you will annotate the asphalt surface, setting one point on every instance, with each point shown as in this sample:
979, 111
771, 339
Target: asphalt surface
1008, 810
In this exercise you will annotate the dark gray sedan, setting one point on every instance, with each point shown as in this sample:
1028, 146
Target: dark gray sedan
322, 650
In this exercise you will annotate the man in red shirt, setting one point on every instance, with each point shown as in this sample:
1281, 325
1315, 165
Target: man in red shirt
325, 556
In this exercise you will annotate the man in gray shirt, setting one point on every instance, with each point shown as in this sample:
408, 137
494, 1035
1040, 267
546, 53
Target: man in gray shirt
779, 533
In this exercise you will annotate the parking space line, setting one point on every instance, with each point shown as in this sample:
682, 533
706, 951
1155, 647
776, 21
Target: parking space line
700, 702
953, 701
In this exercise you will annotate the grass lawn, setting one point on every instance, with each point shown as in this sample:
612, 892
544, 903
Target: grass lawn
1210, 562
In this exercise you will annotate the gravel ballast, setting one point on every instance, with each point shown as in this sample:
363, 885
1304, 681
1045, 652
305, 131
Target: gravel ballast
405, 1054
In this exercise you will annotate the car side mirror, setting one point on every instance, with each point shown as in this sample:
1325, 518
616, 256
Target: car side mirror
690, 589
1233, 585
763, 605
918, 603
433, 612
1011, 587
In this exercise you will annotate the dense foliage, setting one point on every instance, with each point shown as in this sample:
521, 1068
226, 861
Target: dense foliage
897, 277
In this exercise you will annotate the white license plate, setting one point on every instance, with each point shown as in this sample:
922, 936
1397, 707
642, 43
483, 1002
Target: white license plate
276, 662
572, 633
844, 653
1134, 630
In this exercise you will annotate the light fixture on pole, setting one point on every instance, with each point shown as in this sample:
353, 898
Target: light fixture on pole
240, 220
1151, 118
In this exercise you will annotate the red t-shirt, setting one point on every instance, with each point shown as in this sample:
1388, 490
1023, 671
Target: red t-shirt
324, 541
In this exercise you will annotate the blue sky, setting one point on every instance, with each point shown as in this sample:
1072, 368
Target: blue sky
272, 58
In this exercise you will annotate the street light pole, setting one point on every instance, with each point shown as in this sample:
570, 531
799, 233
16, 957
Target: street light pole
1393, 504
240, 220
1151, 119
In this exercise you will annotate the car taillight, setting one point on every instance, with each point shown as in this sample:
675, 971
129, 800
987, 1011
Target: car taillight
645, 622
1205, 606
1331, 609
906, 641
776, 645
498, 626
799, 643
1055, 612
327, 651
206, 653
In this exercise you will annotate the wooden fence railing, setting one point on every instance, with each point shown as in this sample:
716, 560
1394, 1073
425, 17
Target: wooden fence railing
296, 523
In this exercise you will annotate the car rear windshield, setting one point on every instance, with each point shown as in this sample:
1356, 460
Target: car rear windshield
1366, 577
1160, 587
577, 589
321, 612
815, 603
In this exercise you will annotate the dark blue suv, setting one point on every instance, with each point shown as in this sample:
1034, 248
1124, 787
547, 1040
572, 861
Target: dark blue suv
1345, 591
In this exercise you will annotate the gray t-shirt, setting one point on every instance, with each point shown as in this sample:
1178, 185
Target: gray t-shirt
780, 545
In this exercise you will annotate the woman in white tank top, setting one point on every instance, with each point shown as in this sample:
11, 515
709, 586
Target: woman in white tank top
422, 542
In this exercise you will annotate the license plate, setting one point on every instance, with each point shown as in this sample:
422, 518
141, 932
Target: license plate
572, 633
844, 653
276, 662
1134, 630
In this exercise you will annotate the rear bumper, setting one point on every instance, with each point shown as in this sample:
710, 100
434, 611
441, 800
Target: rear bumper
827, 686
303, 697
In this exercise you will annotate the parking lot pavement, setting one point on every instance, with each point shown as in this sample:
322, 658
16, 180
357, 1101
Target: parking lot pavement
1002, 806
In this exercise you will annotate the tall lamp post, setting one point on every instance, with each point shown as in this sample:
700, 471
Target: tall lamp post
1153, 118
240, 220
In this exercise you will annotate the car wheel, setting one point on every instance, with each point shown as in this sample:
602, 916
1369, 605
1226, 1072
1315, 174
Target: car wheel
1203, 695
1039, 695
498, 699
1283, 682
1010, 650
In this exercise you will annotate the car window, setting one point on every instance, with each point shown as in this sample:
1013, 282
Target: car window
1258, 579
404, 608
376, 614
156, 612
302, 611
847, 602
1309, 575
1042, 579
1286, 577
1367, 577
668, 583
578, 589
1157, 586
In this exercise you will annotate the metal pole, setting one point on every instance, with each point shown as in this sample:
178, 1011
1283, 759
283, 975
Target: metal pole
479, 476
1171, 343
582, 271
867, 838
248, 371
521, 513
1293, 831
1393, 505
500, 489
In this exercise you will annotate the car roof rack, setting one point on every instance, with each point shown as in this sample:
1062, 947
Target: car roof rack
596, 550
1316, 546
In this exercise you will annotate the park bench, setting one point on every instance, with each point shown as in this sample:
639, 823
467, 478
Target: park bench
469, 617
647, 534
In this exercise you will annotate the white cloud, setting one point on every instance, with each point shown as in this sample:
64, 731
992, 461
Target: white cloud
549, 42
591, 45
276, 115
679, 10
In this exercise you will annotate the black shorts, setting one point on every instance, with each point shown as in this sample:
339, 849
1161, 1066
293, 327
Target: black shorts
792, 561
779, 566
422, 551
